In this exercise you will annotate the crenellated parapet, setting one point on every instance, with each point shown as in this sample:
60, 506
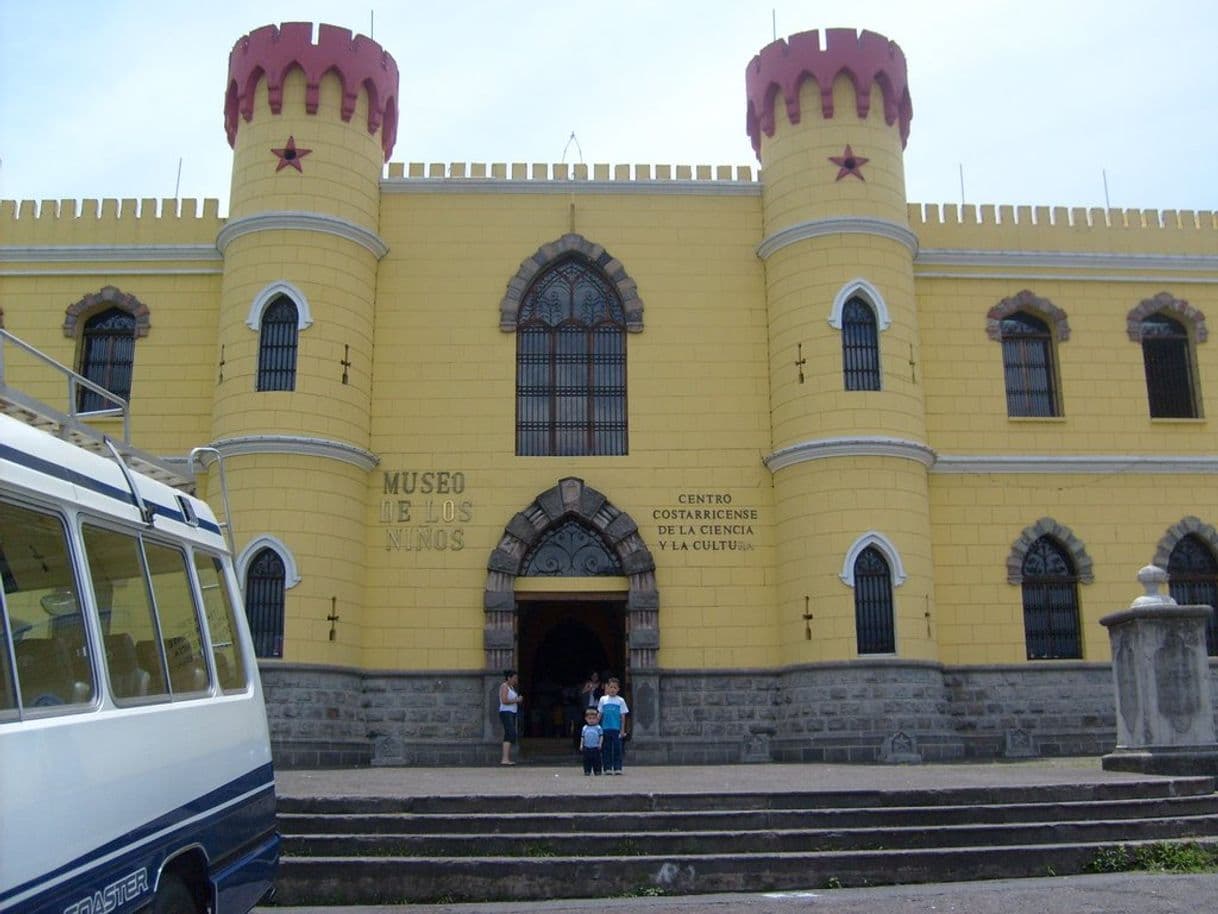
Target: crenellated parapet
97, 223
868, 59
271, 52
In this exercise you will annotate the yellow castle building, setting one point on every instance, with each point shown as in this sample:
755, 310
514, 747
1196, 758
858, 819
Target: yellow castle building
818, 472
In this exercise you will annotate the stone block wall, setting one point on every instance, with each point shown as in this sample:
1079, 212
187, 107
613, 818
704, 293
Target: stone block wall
1033, 709
883, 710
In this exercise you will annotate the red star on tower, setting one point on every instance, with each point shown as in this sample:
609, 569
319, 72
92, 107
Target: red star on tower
849, 164
290, 156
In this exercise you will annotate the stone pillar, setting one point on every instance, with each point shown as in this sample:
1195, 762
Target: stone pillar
1165, 713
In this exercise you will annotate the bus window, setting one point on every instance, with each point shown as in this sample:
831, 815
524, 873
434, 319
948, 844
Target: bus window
126, 611
222, 623
180, 629
53, 662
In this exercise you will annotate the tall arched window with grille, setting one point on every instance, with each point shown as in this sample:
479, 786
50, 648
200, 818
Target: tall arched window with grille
1028, 366
264, 601
1050, 603
860, 347
873, 611
107, 357
1193, 579
571, 364
277, 345
1168, 359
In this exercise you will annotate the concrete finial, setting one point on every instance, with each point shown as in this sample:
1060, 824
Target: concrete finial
1152, 578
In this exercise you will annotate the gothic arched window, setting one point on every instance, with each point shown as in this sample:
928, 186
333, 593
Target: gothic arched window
1028, 366
860, 347
277, 345
264, 602
1167, 356
1050, 603
873, 612
107, 356
1193, 577
571, 364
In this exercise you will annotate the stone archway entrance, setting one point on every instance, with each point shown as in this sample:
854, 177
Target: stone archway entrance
572, 530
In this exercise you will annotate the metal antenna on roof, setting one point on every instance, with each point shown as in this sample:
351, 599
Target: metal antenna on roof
371, 23
774, 22
1107, 204
177, 186
578, 149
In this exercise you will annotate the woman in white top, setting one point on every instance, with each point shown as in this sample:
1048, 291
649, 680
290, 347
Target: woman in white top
509, 700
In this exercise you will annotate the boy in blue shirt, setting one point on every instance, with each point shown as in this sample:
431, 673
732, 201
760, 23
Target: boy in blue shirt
613, 713
590, 740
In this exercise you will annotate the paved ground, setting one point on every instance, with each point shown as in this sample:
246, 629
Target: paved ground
570, 780
1120, 894
1123, 893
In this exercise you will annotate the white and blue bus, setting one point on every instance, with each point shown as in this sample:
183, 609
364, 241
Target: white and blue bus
135, 762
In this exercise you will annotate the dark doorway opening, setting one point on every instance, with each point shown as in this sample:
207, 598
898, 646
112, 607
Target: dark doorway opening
562, 640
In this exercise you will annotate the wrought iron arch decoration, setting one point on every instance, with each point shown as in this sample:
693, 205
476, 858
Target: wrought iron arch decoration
1165, 303
107, 297
571, 501
1190, 525
614, 272
1054, 316
1047, 526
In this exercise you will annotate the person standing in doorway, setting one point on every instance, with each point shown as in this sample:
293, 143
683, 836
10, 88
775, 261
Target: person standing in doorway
509, 703
591, 692
590, 743
613, 714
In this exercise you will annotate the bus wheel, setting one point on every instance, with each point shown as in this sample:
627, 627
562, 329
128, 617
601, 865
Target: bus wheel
173, 897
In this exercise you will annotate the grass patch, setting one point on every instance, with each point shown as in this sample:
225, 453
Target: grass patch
1159, 857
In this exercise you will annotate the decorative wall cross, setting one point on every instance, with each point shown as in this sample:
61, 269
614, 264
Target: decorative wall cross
221, 381
800, 361
346, 362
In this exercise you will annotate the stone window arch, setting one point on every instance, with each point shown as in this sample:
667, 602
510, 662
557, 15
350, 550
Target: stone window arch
96, 302
571, 244
860, 288
266, 541
1026, 301
571, 500
873, 539
1047, 526
1165, 303
269, 294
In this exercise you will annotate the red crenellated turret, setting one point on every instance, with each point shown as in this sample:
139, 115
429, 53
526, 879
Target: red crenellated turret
272, 51
868, 59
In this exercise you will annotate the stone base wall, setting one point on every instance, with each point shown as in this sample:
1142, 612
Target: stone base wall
1034, 709
882, 710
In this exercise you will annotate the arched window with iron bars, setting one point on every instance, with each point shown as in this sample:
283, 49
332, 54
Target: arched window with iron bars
264, 602
1028, 366
1050, 603
107, 357
873, 609
1168, 360
1193, 579
571, 364
860, 347
277, 343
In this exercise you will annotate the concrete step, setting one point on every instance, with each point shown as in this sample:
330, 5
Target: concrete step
376, 850
626, 801
579, 822
319, 881
637, 844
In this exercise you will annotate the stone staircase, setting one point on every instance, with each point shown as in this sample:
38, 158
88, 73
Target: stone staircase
360, 851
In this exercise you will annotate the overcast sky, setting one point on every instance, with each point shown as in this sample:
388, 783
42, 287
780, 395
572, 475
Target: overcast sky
1036, 99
